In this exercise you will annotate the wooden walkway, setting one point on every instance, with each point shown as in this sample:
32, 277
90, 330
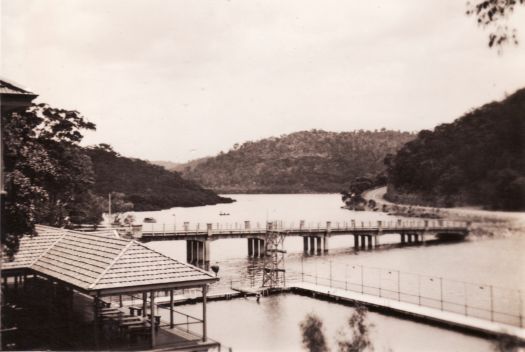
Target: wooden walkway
415, 311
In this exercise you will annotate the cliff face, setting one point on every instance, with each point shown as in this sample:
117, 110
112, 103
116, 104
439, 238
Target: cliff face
479, 159
307, 161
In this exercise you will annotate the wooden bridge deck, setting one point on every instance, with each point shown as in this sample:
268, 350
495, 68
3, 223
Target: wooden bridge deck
156, 232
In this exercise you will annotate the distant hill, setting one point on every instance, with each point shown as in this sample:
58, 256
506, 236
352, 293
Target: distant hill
147, 186
168, 165
307, 161
479, 159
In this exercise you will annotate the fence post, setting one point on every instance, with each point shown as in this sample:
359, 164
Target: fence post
418, 289
441, 291
466, 299
399, 285
491, 304
346, 277
362, 280
330, 274
302, 269
521, 308
380, 282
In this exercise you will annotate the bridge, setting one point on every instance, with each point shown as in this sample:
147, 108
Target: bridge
315, 238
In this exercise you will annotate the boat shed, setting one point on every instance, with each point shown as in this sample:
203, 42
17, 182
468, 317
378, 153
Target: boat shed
102, 266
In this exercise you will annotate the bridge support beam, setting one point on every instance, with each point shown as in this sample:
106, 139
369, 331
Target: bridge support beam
250, 247
319, 246
256, 246
326, 245
198, 253
403, 238
305, 245
312, 245
409, 238
356, 242
369, 241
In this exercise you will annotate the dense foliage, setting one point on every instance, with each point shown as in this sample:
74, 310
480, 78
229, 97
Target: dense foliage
147, 186
47, 175
479, 159
308, 161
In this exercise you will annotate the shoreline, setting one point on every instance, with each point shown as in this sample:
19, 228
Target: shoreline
484, 222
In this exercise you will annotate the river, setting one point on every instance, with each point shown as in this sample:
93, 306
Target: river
482, 263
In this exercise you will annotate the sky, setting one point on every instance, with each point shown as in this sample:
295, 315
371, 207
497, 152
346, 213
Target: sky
177, 80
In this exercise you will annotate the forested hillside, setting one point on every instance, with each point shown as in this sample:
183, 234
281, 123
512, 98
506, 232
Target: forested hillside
307, 161
147, 186
479, 159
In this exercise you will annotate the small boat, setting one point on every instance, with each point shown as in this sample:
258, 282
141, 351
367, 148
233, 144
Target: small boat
150, 220
224, 214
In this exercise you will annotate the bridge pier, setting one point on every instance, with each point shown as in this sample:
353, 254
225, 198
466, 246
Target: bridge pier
327, 236
356, 241
403, 238
305, 245
256, 247
319, 247
312, 245
363, 241
326, 239
370, 244
250, 246
198, 253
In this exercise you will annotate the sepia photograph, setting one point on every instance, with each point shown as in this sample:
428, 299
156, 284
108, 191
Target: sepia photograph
262, 175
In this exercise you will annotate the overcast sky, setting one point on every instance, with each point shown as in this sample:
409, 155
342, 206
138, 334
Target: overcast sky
176, 80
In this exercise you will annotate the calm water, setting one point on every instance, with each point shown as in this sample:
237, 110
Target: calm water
272, 324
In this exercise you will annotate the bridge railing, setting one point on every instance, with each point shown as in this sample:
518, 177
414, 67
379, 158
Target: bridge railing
483, 301
258, 227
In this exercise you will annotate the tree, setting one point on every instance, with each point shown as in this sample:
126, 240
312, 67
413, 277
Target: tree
46, 172
359, 333
313, 335
491, 13
357, 341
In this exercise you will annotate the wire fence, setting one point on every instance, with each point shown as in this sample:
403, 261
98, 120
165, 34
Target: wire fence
488, 302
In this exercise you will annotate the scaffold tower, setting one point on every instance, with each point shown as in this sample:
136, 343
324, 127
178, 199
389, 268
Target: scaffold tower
274, 274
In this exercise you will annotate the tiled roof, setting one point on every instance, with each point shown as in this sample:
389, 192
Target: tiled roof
7, 87
92, 262
31, 247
